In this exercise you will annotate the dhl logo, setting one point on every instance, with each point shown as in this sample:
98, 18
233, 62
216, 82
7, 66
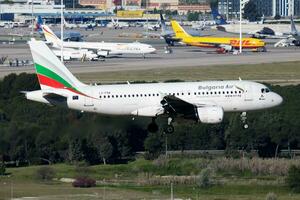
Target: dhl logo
237, 42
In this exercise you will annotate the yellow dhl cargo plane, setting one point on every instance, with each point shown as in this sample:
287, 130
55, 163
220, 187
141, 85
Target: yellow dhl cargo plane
222, 43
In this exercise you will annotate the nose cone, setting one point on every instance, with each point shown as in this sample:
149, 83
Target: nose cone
151, 49
276, 99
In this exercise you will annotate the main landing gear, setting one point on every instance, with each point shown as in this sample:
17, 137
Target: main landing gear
244, 120
153, 127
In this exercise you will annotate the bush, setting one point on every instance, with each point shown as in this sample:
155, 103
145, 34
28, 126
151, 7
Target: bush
45, 173
2, 168
293, 178
205, 178
271, 196
84, 182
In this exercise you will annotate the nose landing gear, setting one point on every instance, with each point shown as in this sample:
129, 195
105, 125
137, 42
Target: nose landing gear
244, 120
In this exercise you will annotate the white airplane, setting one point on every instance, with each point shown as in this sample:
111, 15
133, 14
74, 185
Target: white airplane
69, 25
102, 49
203, 102
75, 54
117, 25
292, 40
152, 26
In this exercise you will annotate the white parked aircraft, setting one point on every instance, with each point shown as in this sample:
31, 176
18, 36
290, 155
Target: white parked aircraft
103, 49
292, 39
203, 102
117, 25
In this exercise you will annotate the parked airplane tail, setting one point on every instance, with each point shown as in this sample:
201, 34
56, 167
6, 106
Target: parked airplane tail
294, 30
163, 24
219, 19
50, 36
38, 24
50, 71
178, 30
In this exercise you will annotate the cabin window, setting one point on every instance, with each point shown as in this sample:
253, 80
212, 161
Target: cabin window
120, 96
100, 97
104, 96
189, 93
117, 96
177, 94
157, 94
112, 96
108, 96
75, 97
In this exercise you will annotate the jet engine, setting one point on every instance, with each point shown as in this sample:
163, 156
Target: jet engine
102, 53
296, 43
210, 114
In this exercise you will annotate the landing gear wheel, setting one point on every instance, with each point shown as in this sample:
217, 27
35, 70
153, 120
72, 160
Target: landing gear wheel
152, 128
169, 129
244, 120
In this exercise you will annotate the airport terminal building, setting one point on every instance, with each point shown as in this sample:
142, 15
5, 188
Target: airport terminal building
269, 8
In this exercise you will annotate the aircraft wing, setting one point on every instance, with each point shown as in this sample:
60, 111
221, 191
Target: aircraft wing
185, 109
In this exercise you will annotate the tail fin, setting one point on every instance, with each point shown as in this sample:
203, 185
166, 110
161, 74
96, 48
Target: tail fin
38, 24
178, 30
50, 71
50, 36
163, 24
219, 19
294, 30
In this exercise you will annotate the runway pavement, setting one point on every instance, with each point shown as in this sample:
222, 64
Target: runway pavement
182, 56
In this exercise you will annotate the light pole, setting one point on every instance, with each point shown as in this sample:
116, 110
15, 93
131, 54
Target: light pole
32, 21
61, 30
241, 37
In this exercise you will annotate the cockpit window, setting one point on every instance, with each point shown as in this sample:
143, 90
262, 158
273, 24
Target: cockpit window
265, 90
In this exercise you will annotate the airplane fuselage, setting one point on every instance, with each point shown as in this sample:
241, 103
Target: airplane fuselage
145, 99
112, 48
247, 43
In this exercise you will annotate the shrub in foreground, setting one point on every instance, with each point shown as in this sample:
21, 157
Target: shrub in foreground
205, 178
2, 168
84, 182
293, 178
271, 196
45, 173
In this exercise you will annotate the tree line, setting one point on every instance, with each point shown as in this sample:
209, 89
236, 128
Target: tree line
35, 133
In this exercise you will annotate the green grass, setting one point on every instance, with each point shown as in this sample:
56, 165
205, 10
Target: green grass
270, 72
123, 182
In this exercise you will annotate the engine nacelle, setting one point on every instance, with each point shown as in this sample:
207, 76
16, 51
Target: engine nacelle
102, 53
296, 43
226, 47
210, 114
